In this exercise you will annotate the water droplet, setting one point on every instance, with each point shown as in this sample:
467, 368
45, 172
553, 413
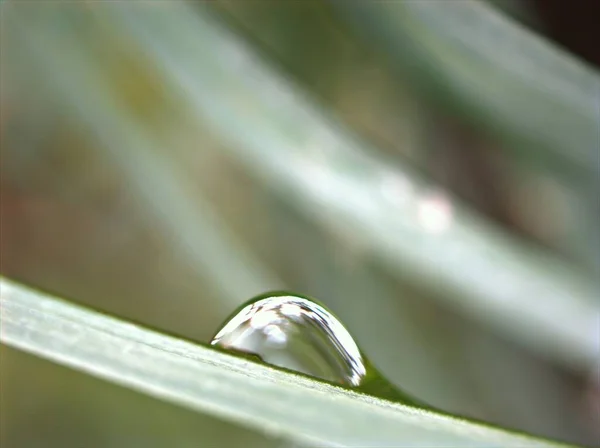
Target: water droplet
297, 333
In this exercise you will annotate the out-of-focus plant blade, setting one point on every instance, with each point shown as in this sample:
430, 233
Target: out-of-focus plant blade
540, 100
295, 148
200, 378
495, 72
195, 231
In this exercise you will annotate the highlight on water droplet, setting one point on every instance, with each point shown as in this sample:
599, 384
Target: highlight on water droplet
297, 333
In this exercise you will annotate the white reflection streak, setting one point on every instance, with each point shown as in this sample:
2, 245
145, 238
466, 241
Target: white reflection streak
261, 319
435, 213
396, 189
329, 186
275, 335
290, 310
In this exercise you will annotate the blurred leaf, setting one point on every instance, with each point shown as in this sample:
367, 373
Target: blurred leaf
495, 72
291, 145
295, 148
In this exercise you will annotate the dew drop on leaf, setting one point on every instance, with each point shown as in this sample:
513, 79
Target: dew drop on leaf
298, 333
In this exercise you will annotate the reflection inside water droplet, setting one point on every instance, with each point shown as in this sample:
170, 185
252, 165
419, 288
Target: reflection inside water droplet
295, 333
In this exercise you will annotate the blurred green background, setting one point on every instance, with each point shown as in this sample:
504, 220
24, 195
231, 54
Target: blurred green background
428, 170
